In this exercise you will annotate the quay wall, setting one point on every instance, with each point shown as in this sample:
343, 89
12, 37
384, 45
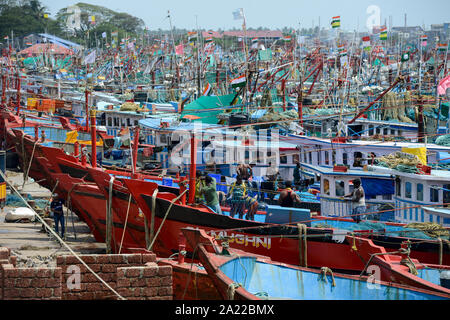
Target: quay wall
133, 276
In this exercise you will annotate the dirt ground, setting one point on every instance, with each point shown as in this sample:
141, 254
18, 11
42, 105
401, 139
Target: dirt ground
31, 243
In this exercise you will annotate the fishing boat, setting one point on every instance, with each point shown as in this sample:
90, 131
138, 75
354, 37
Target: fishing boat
239, 275
397, 267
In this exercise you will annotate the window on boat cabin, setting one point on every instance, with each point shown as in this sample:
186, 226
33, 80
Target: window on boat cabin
333, 157
434, 194
327, 157
386, 196
128, 122
446, 192
357, 162
326, 186
398, 187
419, 193
408, 190
136, 122
371, 130
310, 157
345, 158
260, 156
340, 188
283, 159
385, 131
378, 130
247, 155
319, 156
109, 122
116, 122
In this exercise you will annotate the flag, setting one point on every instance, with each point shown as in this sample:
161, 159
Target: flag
29, 44
45, 15
238, 82
444, 84
115, 34
238, 14
255, 43
192, 36
383, 33
342, 51
287, 38
336, 22
92, 19
366, 43
90, 58
424, 40
441, 47
104, 35
179, 50
208, 39
207, 90
6, 38
405, 57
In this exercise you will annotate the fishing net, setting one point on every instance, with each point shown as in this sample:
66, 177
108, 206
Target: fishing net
400, 161
394, 107
443, 140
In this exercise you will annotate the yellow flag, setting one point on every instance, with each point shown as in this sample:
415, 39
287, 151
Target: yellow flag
71, 136
421, 153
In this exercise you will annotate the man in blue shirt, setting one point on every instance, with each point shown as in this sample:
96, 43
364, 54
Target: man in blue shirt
58, 214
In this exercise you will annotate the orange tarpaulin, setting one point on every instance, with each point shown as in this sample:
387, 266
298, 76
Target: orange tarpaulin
50, 48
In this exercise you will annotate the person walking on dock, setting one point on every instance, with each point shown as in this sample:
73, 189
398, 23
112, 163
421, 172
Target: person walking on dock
357, 198
58, 214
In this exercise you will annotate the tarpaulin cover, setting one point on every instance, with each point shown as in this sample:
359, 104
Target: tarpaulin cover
376, 187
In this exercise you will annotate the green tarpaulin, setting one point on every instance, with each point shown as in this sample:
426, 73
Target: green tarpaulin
265, 55
203, 105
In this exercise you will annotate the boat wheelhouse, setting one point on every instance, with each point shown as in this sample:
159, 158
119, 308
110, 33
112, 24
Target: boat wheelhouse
378, 188
417, 195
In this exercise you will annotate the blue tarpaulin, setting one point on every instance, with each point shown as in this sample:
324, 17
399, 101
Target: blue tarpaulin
376, 187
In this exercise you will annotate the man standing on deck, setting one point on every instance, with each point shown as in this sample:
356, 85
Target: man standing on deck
357, 197
58, 215
208, 190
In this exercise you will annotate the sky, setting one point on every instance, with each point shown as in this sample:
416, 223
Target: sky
273, 14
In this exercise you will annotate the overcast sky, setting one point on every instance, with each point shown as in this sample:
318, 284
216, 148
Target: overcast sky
213, 14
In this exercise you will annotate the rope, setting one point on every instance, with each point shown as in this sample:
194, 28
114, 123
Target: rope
125, 225
152, 222
324, 271
164, 219
302, 245
232, 289
29, 164
62, 241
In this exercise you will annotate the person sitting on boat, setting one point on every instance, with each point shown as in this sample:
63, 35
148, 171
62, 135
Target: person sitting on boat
208, 190
357, 197
245, 171
58, 215
288, 197
239, 199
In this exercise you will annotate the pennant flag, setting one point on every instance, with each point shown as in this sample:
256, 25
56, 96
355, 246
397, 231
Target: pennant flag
366, 43
342, 51
208, 39
383, 33
287, 38
444, 84
207, 90
424, 40
179, 50
336, 22
238, 14
238, 82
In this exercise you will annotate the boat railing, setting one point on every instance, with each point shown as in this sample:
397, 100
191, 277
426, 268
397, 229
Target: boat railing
338, 207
